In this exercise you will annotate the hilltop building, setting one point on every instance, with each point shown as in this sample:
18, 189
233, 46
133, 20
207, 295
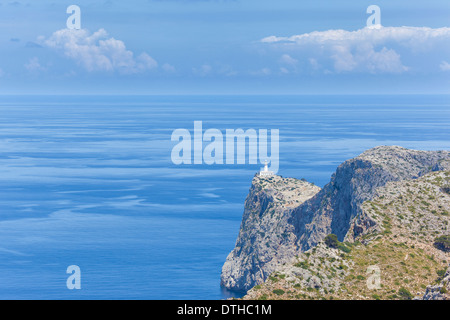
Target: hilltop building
265, 172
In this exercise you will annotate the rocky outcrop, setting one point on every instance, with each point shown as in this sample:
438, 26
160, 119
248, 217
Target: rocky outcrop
284, 217
397, 247
318, 270
266, 238
440, 291
417, 207
355, 181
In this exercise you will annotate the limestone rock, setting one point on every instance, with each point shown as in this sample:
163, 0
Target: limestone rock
355, 181
440, 291
265, 238
284, 217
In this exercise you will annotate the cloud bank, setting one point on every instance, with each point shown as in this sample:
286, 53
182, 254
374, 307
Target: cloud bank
365, 50
98, 51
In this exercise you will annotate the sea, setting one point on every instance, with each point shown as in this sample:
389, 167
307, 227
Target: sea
89, 181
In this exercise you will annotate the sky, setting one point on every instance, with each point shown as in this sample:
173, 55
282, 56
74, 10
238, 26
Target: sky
225, 47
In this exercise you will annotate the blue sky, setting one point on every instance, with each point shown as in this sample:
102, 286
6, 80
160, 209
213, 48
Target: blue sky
224, 47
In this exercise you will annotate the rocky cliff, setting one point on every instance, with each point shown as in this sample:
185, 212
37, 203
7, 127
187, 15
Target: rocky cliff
397, 257
285, 217
265, 239
355, 181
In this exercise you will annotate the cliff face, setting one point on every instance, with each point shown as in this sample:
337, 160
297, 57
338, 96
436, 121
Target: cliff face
399, 249
355, 181
284, 217
266, 238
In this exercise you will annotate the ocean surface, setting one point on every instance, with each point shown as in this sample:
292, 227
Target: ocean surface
89, 181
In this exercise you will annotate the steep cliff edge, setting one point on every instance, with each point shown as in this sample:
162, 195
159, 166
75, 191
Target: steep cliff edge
284, 217
356, 181
265, 238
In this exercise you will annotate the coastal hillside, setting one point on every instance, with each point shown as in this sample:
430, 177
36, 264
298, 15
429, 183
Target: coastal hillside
402, 254
287, 234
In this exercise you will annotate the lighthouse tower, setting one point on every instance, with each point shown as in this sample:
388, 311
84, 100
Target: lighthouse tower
265, 172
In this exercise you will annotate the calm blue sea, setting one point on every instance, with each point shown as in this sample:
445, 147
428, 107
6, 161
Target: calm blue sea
88, 181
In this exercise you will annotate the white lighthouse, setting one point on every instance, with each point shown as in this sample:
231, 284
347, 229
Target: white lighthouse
265, 172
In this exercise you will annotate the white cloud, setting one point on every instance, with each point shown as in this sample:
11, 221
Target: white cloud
288, 63
411, 36
227, 71
365, 58
203, 71
145, 62
445, 66
33, 65
262, 72
168, 68
287, 59
366, 50
314, 63
97, 51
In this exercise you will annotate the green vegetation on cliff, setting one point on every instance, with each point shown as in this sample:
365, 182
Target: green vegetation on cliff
399, 257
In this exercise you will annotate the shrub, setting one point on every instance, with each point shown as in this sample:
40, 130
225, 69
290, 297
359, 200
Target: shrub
344, 248
441, 274
278, 292
331, 241
302, 264
443, 243
273, 279
405, 294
